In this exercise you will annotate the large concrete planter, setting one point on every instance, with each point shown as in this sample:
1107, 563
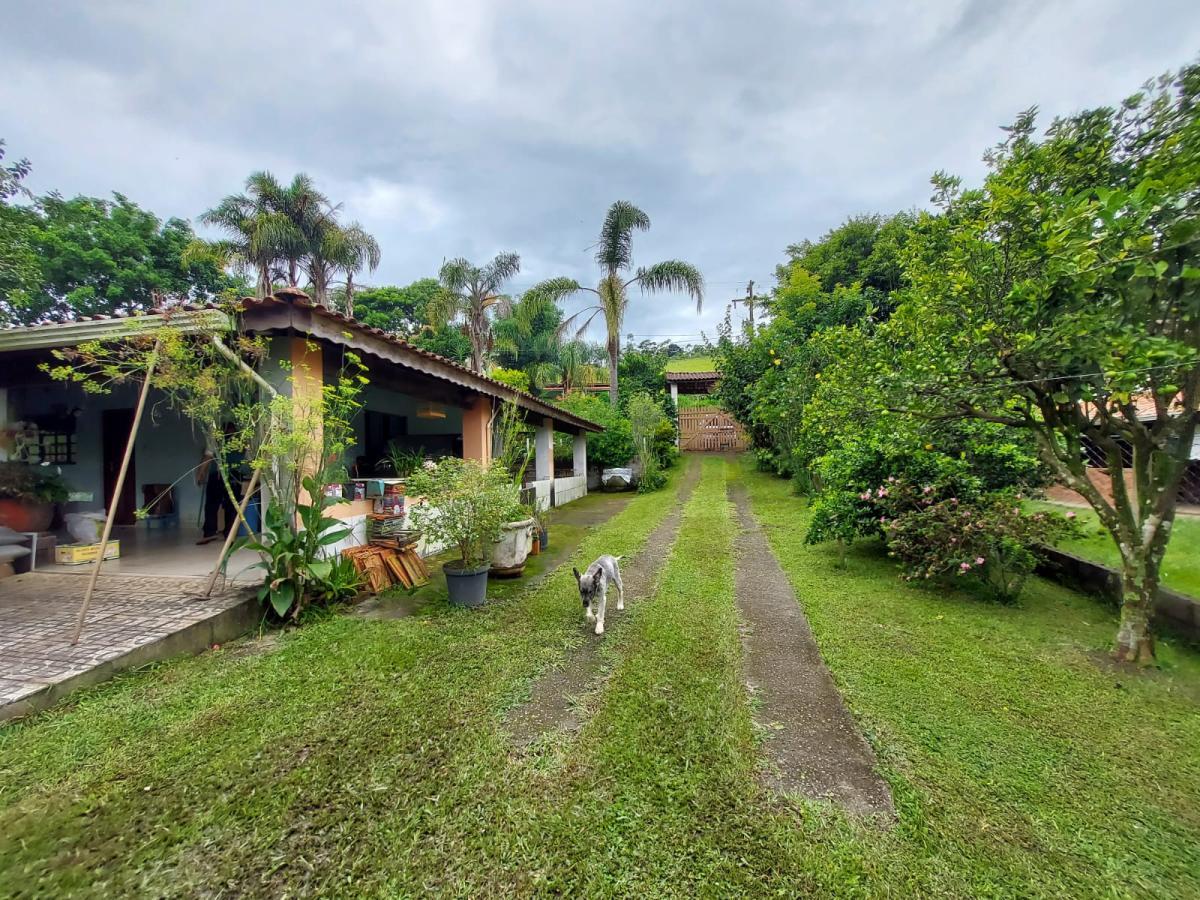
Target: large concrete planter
511, 549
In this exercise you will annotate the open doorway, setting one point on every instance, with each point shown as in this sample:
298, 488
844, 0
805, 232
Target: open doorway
115, 425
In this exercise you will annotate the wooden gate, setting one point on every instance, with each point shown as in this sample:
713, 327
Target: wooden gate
709, 428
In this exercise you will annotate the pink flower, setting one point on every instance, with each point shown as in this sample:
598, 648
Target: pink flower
979, 560
891, 479
953, 499
964, 566
883, 492
927, 489
1071, 515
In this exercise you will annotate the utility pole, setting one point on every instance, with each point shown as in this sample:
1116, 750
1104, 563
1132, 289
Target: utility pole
748, 300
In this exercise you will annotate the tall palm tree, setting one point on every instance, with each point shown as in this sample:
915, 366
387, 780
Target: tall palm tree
472, 295
335, 248
614, 253
267, 226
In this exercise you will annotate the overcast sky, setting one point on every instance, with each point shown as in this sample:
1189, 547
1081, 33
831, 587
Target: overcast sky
467, 127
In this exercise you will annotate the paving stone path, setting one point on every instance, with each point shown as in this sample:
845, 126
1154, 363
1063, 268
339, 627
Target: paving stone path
552, 704
813, 745
133, 619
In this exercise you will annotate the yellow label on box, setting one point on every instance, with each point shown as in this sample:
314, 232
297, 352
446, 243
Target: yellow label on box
77, 554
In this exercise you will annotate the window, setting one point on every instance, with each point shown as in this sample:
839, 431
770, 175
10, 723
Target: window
51, 437
380, 429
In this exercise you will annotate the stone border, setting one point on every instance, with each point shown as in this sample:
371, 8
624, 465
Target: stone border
1176, 612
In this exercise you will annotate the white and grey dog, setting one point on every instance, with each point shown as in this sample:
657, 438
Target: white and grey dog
593, 588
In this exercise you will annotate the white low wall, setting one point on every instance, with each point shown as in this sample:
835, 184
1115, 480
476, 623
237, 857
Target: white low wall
568, 489
541, 493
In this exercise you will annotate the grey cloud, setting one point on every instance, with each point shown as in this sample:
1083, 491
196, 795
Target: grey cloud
474, 127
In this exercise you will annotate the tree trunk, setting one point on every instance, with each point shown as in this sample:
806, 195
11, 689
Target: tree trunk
1135, 640
349, 294
614, 352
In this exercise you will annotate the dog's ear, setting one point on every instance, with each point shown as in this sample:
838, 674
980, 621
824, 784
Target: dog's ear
596, 578
576, 571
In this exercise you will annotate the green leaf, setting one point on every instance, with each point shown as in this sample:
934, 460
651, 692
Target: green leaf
332, 537
282, 597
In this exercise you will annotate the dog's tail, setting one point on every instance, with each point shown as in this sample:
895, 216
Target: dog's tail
618, 558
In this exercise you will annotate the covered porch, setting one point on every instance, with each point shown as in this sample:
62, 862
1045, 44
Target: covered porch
415, 402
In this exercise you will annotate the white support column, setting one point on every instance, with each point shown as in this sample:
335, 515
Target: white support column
580, 448
675, 394
543, 467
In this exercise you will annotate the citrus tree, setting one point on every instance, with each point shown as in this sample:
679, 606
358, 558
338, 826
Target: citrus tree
1063, 298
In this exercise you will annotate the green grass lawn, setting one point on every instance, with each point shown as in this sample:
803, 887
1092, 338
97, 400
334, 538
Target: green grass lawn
361, 757
1181, 565
1020, 763
698, 401
691, 364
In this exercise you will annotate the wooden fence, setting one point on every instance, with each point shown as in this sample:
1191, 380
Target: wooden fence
709, 428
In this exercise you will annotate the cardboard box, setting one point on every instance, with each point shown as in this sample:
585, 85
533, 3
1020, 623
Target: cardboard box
78, 554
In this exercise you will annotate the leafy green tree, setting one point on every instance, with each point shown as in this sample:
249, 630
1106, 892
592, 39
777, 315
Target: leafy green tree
614, 254
578, 364
282, 230
398, 310
111, 256
473, 295
864, 250
19, 269
1062, 298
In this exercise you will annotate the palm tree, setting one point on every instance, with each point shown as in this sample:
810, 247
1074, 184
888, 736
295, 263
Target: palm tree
267, 226
614, 253
472, 294
528, 339
339, 248
577, 364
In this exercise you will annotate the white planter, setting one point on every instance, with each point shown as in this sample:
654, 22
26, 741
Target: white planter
617, 479
512, 547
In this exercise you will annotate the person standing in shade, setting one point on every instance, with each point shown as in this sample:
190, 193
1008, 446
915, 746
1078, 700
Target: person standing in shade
217, 499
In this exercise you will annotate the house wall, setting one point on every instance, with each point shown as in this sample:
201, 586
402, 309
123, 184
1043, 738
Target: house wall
167, 445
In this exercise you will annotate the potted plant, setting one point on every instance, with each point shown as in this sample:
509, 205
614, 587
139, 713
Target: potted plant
513, 546
464, 505
542, 521
27, 496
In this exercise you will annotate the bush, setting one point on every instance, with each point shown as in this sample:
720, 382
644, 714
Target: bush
652, 480
612, 447
467, 504
992, 539
514, 378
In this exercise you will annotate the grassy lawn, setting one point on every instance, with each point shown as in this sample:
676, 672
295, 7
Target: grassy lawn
698, 401
1019, 763
360, 757
691, 364
1181, 565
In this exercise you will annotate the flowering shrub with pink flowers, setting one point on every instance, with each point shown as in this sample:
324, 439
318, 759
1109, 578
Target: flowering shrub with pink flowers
991, 539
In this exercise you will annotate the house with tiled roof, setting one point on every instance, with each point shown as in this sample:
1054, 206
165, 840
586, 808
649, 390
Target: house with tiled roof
415, 400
